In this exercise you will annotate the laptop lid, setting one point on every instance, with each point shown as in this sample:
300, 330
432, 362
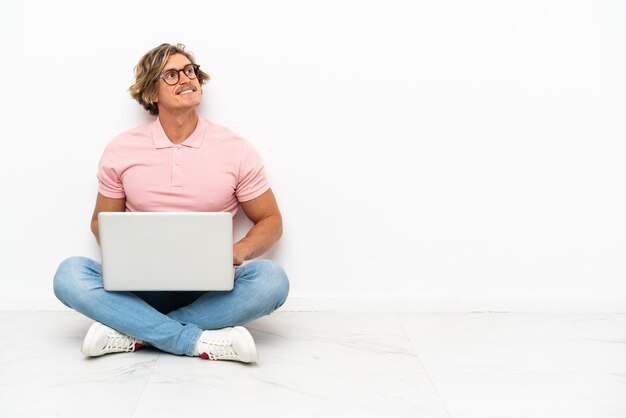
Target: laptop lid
166, 250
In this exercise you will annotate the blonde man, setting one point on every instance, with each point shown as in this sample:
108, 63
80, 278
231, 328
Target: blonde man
179, 162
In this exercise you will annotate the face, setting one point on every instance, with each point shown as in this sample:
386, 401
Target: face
184, 95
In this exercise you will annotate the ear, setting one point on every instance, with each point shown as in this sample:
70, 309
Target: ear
155, 96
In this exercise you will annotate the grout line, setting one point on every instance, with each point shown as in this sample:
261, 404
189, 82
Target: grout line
144, 386
430, 379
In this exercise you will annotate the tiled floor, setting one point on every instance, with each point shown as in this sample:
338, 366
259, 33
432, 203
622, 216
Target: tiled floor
327, 364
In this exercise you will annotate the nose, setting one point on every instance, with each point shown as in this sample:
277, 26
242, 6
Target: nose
181, 74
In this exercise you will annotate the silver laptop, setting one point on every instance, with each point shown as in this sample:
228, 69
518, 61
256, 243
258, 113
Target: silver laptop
166, 250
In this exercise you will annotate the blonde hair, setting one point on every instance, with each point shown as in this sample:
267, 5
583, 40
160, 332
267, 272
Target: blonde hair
149, 69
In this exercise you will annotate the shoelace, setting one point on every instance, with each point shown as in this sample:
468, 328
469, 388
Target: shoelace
119, 342
218, 349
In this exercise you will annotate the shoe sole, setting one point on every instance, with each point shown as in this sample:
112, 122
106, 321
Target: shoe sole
88, 341
252, 355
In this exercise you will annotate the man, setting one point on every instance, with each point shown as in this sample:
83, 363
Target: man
179, 162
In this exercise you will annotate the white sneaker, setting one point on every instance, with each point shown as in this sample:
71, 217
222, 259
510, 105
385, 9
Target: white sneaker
227, 344
101, 339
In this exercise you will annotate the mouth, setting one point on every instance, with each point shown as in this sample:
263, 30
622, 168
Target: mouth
186, 90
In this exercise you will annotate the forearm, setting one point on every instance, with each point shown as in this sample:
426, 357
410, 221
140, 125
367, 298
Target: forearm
95, 230
260, 237
105, 204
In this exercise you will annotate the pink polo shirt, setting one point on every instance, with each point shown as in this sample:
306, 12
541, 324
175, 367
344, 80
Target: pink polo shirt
211, 171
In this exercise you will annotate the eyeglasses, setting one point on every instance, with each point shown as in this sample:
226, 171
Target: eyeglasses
171, 76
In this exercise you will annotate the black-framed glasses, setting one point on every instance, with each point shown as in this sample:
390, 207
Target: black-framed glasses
171, 78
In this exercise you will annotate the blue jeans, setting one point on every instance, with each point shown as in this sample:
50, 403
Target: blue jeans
171, 321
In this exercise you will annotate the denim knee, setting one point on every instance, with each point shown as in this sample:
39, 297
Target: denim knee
276, 280
65, 278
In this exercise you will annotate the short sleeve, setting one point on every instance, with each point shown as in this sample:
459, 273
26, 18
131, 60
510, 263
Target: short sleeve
251, 182
110, 184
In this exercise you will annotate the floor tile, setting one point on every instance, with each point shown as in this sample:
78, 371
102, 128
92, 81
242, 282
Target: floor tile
43, 373
283, 393
337, 342
331, 364
343, 326
522, 356
440, 326
532, 395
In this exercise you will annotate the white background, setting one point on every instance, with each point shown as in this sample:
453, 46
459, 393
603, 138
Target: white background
429, 155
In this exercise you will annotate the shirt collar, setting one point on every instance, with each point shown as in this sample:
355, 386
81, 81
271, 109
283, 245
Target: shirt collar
161, 140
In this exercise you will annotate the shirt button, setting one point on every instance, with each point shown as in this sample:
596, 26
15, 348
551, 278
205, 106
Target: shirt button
175, 165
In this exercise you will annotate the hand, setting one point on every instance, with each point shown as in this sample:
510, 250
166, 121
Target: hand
239, 254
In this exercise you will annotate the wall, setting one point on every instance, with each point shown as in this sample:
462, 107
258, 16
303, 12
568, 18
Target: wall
426, 155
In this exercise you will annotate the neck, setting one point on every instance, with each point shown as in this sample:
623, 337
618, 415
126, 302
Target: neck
179, 126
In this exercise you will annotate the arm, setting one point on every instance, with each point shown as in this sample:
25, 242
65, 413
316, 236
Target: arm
105, 204
268, 227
